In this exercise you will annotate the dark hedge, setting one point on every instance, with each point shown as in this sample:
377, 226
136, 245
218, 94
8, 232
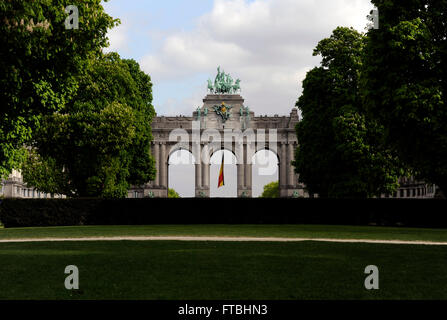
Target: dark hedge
73, 212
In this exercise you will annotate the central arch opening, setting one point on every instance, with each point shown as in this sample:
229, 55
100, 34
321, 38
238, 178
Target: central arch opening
229, 190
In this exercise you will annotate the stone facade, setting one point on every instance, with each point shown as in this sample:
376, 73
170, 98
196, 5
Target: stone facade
15, 187
240, 120
415, 189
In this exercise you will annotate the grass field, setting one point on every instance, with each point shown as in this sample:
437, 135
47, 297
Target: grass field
223, 270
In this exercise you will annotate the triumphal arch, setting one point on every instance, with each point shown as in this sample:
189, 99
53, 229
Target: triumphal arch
224, 122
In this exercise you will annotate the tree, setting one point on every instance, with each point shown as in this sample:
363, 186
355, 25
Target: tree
271, 190
341, 151
405, 83
99, 144
173, 194
40, 61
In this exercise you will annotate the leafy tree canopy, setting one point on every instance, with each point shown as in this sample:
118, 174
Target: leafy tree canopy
99, 144
341, 151
39, 65
173, 194
271, 190
405, 82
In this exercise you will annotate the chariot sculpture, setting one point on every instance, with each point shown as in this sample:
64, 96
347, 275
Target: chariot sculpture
224, 84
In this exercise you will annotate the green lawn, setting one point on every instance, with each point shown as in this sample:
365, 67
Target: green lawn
218, 270
300, 231
223, 270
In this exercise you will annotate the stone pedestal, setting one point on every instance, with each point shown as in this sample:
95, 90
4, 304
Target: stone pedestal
297, 192
244, 192
156, 193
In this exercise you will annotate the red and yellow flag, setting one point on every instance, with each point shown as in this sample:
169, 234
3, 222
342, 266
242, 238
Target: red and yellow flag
221, 173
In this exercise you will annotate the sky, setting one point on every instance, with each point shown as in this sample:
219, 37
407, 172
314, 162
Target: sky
268, 44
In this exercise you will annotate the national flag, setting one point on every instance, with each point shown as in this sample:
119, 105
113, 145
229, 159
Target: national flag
221, 173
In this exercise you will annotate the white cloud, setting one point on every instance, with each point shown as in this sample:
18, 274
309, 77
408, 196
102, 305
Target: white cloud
174, 106
118, 38
268, 44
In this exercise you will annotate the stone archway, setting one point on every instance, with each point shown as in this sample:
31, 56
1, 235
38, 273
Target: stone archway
227, 116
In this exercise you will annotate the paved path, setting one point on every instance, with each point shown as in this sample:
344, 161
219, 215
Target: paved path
224, 239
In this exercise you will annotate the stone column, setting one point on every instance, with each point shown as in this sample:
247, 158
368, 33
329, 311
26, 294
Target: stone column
241, 170
283, 166
157, 163
163, 167
198, 176
205, 173
206, 179
290, 167
198, 166
248, 170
